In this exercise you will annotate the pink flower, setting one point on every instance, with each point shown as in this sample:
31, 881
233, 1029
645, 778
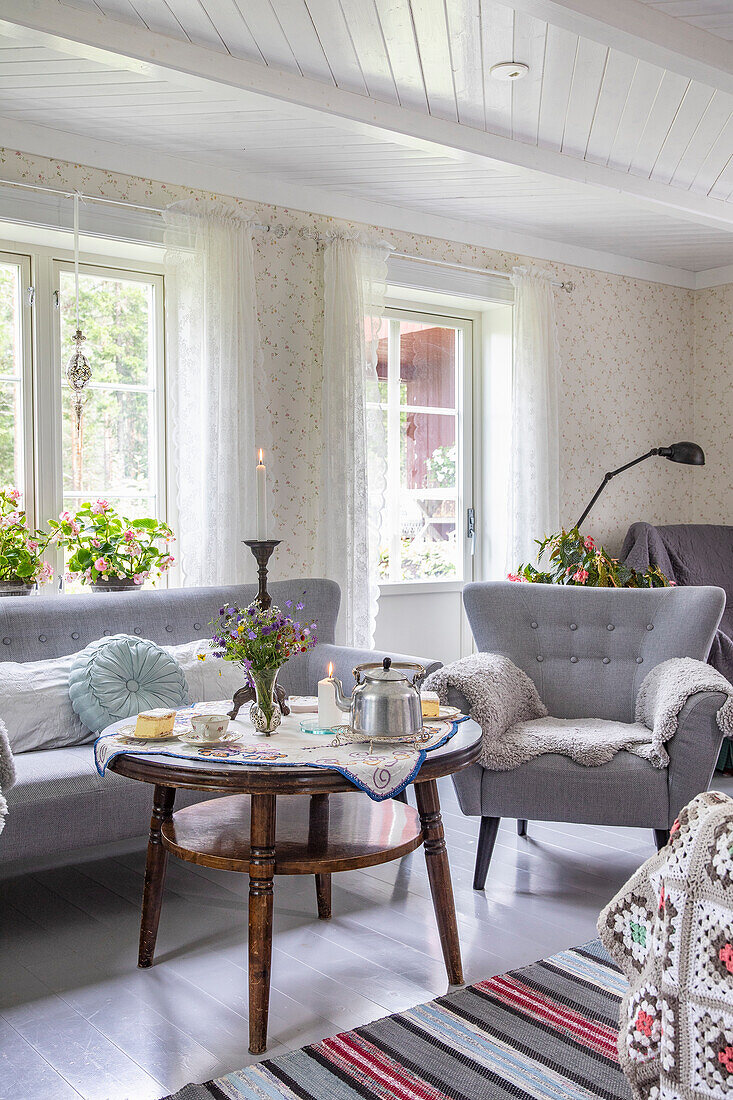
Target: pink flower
673, 584
99, 507
75, 528
129, 535
69, 577
166, 563
45, 573
12, 494
588, 543
516, 578
32, 545
138, 578
96, 543
580, 576
101, 565
64, 516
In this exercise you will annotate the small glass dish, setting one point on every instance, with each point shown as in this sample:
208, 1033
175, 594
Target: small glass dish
310, 725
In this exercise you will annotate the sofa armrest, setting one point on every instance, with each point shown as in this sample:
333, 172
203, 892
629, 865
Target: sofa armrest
344, 658
694, 749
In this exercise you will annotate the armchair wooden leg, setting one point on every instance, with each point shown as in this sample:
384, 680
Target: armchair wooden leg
521, 826
661, 836
486, 841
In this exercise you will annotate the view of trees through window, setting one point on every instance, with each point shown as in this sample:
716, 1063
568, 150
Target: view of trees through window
115, 457
418, 370
11, 424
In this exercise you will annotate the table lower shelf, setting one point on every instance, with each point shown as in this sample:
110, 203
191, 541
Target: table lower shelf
316, 834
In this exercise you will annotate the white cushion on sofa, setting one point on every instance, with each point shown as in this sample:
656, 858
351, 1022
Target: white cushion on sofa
35, 705
210, 679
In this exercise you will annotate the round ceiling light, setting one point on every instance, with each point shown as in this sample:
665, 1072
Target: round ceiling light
509, 70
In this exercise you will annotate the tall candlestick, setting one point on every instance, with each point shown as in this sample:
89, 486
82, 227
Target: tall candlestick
329, 714
261, 500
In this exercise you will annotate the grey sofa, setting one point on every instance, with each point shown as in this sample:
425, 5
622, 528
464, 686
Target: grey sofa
588, 651
59, 802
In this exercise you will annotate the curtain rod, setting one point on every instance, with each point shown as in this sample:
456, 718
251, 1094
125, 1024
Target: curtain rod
277, 230
563, 285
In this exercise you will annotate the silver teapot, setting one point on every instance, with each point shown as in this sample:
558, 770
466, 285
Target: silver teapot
386, 700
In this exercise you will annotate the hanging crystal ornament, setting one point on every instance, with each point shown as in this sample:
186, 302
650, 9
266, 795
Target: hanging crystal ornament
78, 371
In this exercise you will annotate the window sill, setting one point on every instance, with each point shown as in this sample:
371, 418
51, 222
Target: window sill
419, 588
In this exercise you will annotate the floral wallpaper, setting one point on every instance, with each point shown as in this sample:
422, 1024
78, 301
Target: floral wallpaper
714, 403
627, 365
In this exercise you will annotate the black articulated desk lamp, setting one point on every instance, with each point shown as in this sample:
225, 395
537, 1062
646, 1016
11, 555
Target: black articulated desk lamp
688, 453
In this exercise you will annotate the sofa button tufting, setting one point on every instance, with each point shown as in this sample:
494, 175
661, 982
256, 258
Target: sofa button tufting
573, 626
41, 637
169, 629
197, 626
75, 635
6, 641
610, 627
540, 659
573, 660
640, 660
606, 660
533, 625
107, 633
138, 630
650, 626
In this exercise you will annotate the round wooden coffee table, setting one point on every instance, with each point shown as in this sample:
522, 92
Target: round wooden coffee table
324, 825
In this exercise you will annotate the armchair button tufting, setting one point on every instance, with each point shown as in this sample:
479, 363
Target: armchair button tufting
640, 660
650, 626
533, 625
138, 630
6, 641
573, 660
41, 637
573, 626
610, 627
75, 635
197, 626
169, 629
606, 660
106, 633
540, 659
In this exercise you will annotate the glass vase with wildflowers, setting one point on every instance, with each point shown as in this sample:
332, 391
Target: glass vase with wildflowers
577, 559
107, 547
262, 640
21, 549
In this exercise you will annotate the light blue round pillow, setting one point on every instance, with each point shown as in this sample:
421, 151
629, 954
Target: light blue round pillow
117, 677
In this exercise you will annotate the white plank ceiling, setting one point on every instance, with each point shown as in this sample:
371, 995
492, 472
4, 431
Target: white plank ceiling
582, 99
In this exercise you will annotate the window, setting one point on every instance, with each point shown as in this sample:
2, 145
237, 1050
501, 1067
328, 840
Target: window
116, 454
120, 454
424, 377
15, 340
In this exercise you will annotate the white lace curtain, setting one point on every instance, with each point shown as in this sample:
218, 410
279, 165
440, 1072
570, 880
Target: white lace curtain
534, 485
213, 351
354, 442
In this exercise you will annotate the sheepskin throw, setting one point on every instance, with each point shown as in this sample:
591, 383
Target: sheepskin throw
664, 692
499, 695
7, 772
670, 930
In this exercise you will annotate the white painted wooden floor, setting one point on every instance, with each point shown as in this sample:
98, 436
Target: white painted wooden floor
77, 1018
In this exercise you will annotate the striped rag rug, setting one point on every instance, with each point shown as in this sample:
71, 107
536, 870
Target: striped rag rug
545, 1032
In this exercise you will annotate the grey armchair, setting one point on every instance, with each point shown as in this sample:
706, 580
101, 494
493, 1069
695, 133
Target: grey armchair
588, 651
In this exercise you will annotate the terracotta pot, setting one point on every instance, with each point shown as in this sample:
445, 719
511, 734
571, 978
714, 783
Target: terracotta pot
127, 584
15, 588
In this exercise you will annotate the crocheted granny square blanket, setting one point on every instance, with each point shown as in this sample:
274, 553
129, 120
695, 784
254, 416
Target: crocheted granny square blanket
671, 931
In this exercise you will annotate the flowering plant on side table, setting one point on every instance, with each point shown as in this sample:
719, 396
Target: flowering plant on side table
109, 551
577, 559
262, 640
21, 561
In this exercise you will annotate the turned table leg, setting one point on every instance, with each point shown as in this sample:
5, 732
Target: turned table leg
261, 874
318, 837
163, 798
436, 858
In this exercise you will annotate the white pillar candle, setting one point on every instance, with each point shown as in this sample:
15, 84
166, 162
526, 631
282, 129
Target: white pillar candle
261, 500
329, 714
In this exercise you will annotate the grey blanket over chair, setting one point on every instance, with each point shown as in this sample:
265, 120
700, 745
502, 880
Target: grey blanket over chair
7, 771
516, 726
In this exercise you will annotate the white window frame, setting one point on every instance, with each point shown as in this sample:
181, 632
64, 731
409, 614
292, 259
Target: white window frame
468, 324
44, 360
23, 262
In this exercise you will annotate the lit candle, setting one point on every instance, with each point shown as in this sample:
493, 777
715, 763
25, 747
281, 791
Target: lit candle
261, 500
329, 714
